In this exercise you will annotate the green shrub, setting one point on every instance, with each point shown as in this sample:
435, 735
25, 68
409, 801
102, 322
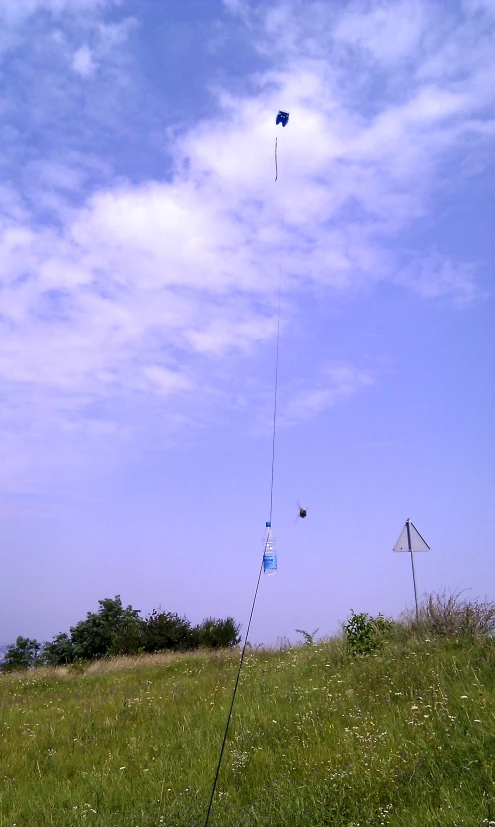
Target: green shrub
364, 633
166, 630
214, 633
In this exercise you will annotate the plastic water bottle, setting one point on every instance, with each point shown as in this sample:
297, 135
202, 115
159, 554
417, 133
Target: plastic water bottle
270, 556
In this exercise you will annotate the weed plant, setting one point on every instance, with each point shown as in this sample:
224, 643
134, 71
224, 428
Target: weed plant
320, 737
453, 615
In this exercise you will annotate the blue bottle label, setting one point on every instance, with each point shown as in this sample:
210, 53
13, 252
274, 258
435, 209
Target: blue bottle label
269, 561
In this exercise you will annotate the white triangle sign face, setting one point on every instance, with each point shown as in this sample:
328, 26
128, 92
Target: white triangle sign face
417, 542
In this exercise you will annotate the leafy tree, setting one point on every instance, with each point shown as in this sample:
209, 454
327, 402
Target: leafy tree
166, 630
59, 652
129, 637
110, 631
23, 654
215, 633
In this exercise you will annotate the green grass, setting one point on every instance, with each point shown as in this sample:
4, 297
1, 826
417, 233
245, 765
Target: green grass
403, 736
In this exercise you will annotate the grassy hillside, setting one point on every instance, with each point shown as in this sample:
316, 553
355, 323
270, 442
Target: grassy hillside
403, 736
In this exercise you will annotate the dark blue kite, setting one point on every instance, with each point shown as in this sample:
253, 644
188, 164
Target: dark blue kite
283, 118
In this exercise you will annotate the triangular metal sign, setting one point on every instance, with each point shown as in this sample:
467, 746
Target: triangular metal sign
410, 539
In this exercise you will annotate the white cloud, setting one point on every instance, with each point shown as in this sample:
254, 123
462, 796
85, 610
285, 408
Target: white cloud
83, 62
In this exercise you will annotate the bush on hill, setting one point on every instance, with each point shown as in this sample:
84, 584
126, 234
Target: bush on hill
364, 633
450, 615
115, 630
110, 631
216, 634
444, 615
166, 630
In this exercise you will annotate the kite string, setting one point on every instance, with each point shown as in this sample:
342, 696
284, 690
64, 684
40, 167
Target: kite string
275, 394
243, 652
276, 160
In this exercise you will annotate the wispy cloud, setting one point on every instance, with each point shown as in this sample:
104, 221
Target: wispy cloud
337, 383
386, 33
437, 277
15, 13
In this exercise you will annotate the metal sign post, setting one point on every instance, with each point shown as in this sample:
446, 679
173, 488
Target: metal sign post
411, 540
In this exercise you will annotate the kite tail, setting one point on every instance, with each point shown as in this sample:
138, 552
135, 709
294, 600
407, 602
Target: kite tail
276, 161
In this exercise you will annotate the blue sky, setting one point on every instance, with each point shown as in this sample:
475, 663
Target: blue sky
142, 237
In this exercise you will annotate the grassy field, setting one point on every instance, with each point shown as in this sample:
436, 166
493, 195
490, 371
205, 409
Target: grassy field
403, 736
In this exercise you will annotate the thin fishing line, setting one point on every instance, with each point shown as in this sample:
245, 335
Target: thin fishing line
243, 652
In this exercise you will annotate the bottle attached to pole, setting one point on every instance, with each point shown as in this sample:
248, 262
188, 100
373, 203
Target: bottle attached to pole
269, 553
